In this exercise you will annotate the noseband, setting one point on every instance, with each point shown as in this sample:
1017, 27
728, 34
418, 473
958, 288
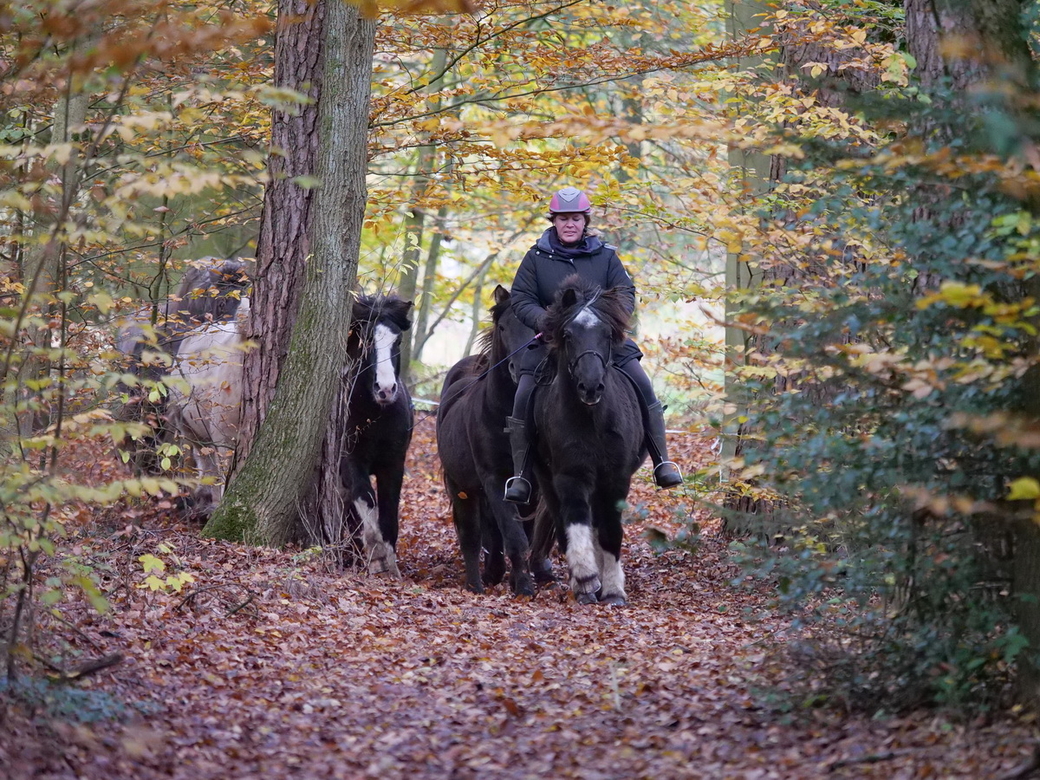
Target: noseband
574, 363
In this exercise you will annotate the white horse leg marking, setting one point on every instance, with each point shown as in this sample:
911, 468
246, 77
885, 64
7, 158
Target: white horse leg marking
581, 558
386, 382
381, 556
613, 577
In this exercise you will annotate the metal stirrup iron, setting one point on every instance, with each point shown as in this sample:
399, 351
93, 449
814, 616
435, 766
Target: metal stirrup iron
667, 481
522, 494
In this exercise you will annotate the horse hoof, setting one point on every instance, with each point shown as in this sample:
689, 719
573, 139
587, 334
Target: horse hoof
384, 566
586, 598
589, 584
474, 587
614, 600
523, 586
543, 573
493, 577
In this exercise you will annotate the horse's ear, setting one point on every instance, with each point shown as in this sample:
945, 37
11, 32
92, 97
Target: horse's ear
403, 314
501, 295
569, 298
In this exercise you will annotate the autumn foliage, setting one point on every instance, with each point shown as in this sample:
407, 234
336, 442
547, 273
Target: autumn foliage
886, 395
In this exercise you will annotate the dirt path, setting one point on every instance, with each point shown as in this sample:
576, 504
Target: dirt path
277, 668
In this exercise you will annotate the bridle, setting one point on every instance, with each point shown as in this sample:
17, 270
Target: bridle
573, 363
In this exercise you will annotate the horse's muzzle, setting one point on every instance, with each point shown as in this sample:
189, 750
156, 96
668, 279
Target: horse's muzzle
591, 397
385, 395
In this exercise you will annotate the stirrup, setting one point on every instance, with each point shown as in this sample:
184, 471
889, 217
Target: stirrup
518, 490
669, 477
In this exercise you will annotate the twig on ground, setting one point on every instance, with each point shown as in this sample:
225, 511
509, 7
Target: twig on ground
244, 604
84, 669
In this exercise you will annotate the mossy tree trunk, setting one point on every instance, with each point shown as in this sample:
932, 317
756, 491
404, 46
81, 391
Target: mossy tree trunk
291, 472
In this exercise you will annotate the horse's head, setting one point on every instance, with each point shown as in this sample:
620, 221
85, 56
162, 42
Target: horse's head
374, 343
507, 335
210, 290
585, 323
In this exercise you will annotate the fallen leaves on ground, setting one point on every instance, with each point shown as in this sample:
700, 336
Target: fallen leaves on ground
265, 664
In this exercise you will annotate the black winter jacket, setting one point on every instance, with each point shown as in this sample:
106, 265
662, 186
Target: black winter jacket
547, 264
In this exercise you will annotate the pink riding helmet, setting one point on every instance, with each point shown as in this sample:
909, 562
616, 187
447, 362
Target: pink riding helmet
569, 200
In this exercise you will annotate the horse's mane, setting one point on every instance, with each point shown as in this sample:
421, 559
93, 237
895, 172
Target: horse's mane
211, 289
369, 308
486, 338
573, 295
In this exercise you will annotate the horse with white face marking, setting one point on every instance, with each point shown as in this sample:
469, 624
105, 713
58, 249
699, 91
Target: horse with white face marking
589, 438
379, 425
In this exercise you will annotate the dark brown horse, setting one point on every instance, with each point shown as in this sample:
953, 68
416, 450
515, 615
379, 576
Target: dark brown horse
589, 438
476, 399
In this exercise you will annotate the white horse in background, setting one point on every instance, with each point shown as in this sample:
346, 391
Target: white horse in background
205, 399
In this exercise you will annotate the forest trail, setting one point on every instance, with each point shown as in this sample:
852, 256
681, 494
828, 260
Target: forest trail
271, 666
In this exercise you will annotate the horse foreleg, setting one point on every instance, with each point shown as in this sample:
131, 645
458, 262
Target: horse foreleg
491, 541
541, 531
507, 520
207, 462
465, 513
380, 554
581, 551
613, 576
609, 535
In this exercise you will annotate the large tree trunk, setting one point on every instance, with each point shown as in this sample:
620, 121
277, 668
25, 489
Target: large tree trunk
292, 469
284, 242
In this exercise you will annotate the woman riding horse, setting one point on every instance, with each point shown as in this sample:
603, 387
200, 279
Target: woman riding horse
564, 249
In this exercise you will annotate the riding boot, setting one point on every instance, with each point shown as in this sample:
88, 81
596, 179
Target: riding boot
666, 473
518, 488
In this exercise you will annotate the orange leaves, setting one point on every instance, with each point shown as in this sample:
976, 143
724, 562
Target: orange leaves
124, 34
372, 8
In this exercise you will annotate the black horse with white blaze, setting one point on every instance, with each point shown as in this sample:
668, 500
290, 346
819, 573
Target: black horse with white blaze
379, 425
589, 438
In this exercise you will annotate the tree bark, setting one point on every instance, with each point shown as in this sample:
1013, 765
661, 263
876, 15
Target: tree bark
284, 241
292, 468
